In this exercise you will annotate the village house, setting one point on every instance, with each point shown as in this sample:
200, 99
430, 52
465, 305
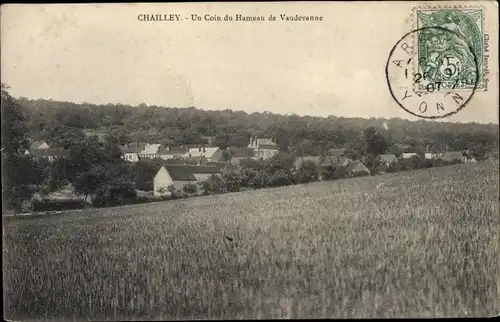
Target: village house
179, 176
356, 168
387, 159
48, 154
36, 145
205, 154
263, 148
131, 151
236, 154
336, 154
433, 155
100, 134
150, 151
209, 139
169, 152
408, 155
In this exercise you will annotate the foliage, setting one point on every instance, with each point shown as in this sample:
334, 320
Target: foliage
233, 128
307, 172
57, 204
190, 188
18, 174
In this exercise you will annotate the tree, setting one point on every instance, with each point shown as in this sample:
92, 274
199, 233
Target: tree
87, 183
16, 183
307, 172
280, 178
375, 143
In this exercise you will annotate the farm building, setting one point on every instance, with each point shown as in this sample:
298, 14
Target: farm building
356, 168
408, 155
150, 151
39, 145
387, 159
263, 148
170, 152
206, 153
433, 156
179, 176
131, 152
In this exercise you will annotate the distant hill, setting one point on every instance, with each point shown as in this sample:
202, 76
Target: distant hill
233, 128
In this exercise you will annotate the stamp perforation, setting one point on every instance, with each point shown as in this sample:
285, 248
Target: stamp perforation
433, 7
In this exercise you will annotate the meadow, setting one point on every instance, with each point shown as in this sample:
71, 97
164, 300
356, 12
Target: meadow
422, 243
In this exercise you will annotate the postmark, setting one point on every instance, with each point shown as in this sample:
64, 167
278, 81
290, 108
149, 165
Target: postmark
448, 57
436, 92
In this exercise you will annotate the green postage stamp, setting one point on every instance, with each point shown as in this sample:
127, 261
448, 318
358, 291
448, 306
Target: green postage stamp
450, 47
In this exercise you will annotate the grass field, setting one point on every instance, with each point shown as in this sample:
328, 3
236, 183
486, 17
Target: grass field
421, 243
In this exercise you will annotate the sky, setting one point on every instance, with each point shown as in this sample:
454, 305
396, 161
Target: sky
103, 54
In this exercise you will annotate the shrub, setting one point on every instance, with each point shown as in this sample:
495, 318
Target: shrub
57, 204
190, 188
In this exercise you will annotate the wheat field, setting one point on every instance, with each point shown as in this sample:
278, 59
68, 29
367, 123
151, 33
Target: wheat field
422, 243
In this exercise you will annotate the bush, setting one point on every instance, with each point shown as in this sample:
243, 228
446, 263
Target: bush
116, 194
190, 188
57, 204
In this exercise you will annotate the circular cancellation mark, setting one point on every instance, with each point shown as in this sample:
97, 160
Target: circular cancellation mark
432, 72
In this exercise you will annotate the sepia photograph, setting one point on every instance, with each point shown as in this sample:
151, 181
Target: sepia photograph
250, 160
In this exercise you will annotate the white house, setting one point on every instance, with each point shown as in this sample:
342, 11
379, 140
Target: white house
407, 155
169, 152
150, 151
131, 152
263, 148
179, 176
209, 154
36, 145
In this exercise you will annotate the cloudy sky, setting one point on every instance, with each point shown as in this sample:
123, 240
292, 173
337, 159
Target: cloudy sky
104, 54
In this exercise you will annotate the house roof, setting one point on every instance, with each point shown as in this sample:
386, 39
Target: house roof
172, 150
265, 142
356, 167
37, 144
388, 158
186, 172
49, 153
150, 149
133, 148
219, 165
240, 152
206, 152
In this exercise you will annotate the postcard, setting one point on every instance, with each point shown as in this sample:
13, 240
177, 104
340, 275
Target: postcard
250, 160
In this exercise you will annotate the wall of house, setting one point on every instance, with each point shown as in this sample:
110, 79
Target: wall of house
217, 156
163, 179
132, 157
166, 156
266, 153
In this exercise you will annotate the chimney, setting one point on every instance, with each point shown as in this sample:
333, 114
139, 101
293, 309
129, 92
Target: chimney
199, 149
203, 149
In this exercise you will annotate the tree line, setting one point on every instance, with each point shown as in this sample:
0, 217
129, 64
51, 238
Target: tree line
58, 123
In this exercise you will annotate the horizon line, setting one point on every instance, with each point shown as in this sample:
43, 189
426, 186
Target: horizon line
256, 112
